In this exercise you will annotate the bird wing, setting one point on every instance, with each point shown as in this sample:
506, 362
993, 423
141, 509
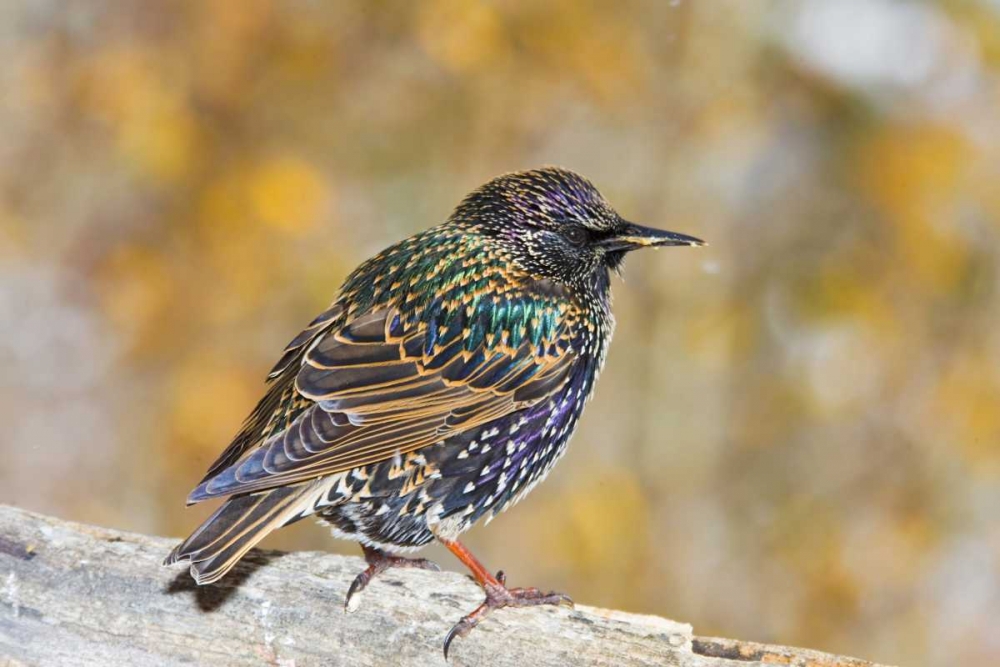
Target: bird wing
380, 387
280, 401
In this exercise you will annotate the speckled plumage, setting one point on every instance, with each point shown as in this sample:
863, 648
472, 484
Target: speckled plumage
442, 384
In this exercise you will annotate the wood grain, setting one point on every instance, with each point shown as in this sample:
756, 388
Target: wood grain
73, 594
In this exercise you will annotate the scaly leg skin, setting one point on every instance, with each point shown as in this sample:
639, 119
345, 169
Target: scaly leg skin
498, 595
378, 562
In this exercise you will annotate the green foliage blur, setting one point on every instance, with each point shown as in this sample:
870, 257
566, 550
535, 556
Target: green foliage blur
797, 436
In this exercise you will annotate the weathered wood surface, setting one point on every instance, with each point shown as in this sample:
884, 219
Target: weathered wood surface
73, 594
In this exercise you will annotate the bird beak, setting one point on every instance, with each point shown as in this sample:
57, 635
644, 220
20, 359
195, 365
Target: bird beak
633, 237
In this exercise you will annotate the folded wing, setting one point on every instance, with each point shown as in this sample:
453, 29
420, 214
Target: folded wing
380, 388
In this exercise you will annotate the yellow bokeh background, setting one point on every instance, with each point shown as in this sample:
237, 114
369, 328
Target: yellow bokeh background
797, 436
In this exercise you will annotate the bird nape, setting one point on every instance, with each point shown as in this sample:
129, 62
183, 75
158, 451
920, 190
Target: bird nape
440, 387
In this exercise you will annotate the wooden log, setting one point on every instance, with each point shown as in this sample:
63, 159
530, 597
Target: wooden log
73, 594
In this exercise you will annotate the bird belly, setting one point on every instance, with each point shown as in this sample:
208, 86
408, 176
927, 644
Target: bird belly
442, 490
495, 467
386, 507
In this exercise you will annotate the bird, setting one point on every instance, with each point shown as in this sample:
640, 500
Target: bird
439, 388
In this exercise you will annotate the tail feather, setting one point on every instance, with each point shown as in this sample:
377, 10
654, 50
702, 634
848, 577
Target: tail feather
242, 521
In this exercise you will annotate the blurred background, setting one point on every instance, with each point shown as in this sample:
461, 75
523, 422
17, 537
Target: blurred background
797, 436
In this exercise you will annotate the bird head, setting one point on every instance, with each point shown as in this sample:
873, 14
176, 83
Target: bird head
556, 225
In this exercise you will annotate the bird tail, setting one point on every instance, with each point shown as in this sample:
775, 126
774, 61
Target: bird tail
242, 521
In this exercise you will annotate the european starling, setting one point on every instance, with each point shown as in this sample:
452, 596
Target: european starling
439, 388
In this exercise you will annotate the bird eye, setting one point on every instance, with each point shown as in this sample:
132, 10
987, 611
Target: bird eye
576, 235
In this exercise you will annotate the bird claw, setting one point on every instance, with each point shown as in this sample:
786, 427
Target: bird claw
358, 585
379, 562
498, 597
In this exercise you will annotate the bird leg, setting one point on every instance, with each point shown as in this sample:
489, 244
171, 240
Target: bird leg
498, 595
378, 562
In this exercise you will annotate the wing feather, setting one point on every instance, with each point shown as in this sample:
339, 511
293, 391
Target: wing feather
380, 389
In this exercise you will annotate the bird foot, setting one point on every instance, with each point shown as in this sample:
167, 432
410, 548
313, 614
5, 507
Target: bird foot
378, 562
499, 596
